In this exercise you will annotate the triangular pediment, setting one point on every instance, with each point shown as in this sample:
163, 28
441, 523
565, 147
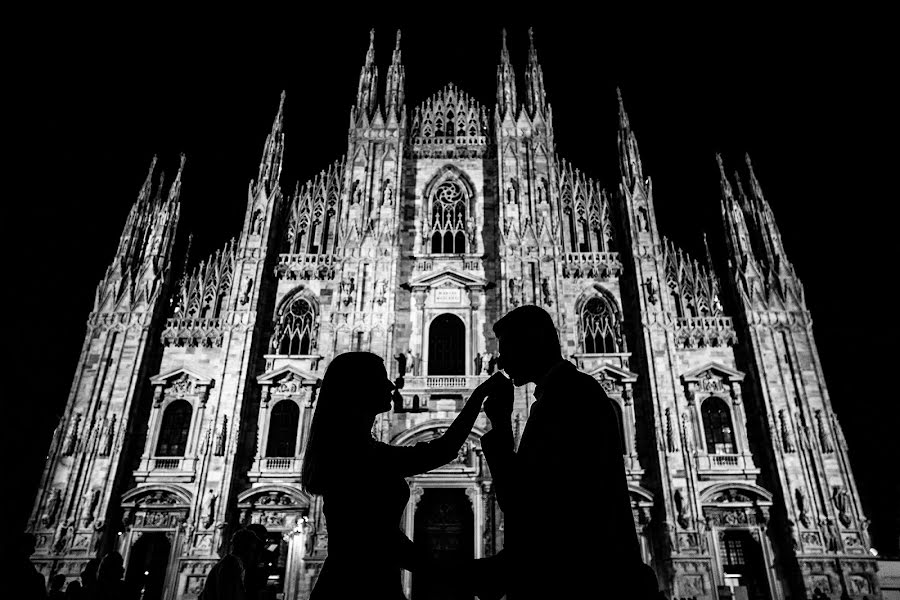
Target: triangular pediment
712, 369
614, 373
287, 372
179, 373
449, 276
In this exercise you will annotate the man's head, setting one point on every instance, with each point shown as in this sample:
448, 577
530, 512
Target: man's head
244, 545
528, 341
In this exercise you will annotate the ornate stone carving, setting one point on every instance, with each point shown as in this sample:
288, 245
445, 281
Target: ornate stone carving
786, 438
209, 508
221, 437
51, 510
841, 500
824, 435
89, 512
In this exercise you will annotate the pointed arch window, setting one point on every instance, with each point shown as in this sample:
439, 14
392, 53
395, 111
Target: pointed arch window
295, 333
599, 326
448, 219
174, 430
283, 426
717, 426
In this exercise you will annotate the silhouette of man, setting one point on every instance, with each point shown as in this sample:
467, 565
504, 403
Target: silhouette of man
227, 580
568, 469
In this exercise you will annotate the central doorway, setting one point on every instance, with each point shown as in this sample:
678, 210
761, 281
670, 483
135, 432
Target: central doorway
444, 528
147, 564
447, 346
742, 562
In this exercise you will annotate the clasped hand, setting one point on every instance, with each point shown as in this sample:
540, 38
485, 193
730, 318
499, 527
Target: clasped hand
498, 390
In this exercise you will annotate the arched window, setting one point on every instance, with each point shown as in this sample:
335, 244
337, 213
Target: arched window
296, 328
717, 426
599, 326
620, 423
448, 219
283, 429
173, 433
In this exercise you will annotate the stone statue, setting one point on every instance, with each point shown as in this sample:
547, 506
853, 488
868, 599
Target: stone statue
389, 194
209, 508
492, 363
256, 224
411, 362
485, 362
478, 363
670, 433
248, 287
64, 534
357, 192
801, 507
89, 512
401, 364
680, 510
841, 500
72, 440
642, 219
109, 434
221, 437
545, 291
824, 436
49, 516
786, 440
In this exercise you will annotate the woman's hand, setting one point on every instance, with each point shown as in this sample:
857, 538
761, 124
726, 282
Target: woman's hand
499, 390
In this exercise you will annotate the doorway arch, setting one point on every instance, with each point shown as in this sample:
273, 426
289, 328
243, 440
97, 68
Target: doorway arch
147, 563
447, 346
444, 525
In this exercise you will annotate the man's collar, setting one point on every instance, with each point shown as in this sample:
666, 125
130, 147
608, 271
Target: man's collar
541, 384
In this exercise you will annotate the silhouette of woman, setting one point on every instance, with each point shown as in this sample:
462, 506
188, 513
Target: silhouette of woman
362, 481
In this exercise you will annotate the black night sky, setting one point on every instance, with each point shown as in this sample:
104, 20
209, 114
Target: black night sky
805, 95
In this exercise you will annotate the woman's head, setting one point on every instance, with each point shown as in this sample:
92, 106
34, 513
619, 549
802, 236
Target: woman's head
354, 390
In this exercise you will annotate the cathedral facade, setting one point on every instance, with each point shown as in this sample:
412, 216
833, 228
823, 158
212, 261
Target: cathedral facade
192, 400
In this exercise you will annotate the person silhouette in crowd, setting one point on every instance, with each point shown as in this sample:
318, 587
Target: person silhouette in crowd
110, 585
89, 578
73, 590
362, 480
31, 582
56, 587
227, 580
570, 441
258, 570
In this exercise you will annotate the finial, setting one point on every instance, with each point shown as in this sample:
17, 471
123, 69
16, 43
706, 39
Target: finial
397, 46
370, 54
531, 36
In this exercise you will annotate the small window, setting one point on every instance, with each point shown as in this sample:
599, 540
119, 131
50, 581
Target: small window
717, 426
283, 429
173, 433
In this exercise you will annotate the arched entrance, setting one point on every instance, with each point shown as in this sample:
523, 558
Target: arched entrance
447, 346
444, 528
742, 563
147, 564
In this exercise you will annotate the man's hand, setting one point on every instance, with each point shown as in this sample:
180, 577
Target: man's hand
499, 404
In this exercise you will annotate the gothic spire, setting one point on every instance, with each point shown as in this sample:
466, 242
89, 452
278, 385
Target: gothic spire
734, 220
368, 81
535, 97
396, 78
629, 156
765, 218
506, 84
270, 165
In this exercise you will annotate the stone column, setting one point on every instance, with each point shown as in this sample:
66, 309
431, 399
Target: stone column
474, 494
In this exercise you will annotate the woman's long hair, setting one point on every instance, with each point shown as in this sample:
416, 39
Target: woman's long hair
349, 383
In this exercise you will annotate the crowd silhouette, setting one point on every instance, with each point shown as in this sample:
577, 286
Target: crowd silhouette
567, 475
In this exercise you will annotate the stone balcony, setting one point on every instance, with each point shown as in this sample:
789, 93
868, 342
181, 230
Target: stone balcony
451, 146
725, 466
192, 332
307, 266
593, 265
275, 467
439, 383
700, 332
169, 468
